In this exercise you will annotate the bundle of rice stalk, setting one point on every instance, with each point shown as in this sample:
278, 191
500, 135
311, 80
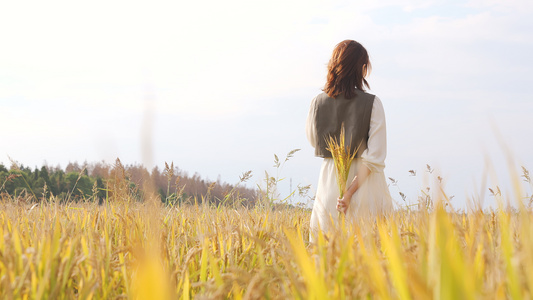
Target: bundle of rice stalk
342, 157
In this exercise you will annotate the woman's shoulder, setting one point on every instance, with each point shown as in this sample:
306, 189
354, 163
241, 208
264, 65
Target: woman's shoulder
377, 101
322, 96
320, 99
364, 93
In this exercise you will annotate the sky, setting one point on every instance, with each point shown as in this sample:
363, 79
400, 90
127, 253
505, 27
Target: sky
219, 87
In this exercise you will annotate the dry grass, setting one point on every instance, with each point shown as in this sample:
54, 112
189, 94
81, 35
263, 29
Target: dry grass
133, 250
51, 251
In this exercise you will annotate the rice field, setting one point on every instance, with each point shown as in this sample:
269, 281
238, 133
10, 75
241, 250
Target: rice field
147, 251
126, 249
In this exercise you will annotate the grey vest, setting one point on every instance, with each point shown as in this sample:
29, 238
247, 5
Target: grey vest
331, 113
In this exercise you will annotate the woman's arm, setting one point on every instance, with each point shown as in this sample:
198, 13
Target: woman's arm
310, 125
358, 180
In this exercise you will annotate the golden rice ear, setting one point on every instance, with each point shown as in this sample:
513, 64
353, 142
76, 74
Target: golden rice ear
342, 158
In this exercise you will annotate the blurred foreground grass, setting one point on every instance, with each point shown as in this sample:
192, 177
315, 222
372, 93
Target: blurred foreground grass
134, 250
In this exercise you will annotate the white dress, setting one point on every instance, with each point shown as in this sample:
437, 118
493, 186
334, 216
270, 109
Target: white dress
373, 196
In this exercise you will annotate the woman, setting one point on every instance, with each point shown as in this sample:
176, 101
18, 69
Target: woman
345, 103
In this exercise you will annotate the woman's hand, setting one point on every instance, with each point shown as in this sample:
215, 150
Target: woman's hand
343, 203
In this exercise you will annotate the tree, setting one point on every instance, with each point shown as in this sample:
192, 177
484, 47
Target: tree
58, 185
72, 167
35, 174
45, 175
38, 188
101, 190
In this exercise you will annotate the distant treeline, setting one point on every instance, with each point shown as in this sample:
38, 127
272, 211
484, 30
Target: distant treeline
101, 181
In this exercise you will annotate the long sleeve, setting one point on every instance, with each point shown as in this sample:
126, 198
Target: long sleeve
374, 156
310, 125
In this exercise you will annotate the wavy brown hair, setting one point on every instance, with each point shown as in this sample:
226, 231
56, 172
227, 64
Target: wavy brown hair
347, 69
